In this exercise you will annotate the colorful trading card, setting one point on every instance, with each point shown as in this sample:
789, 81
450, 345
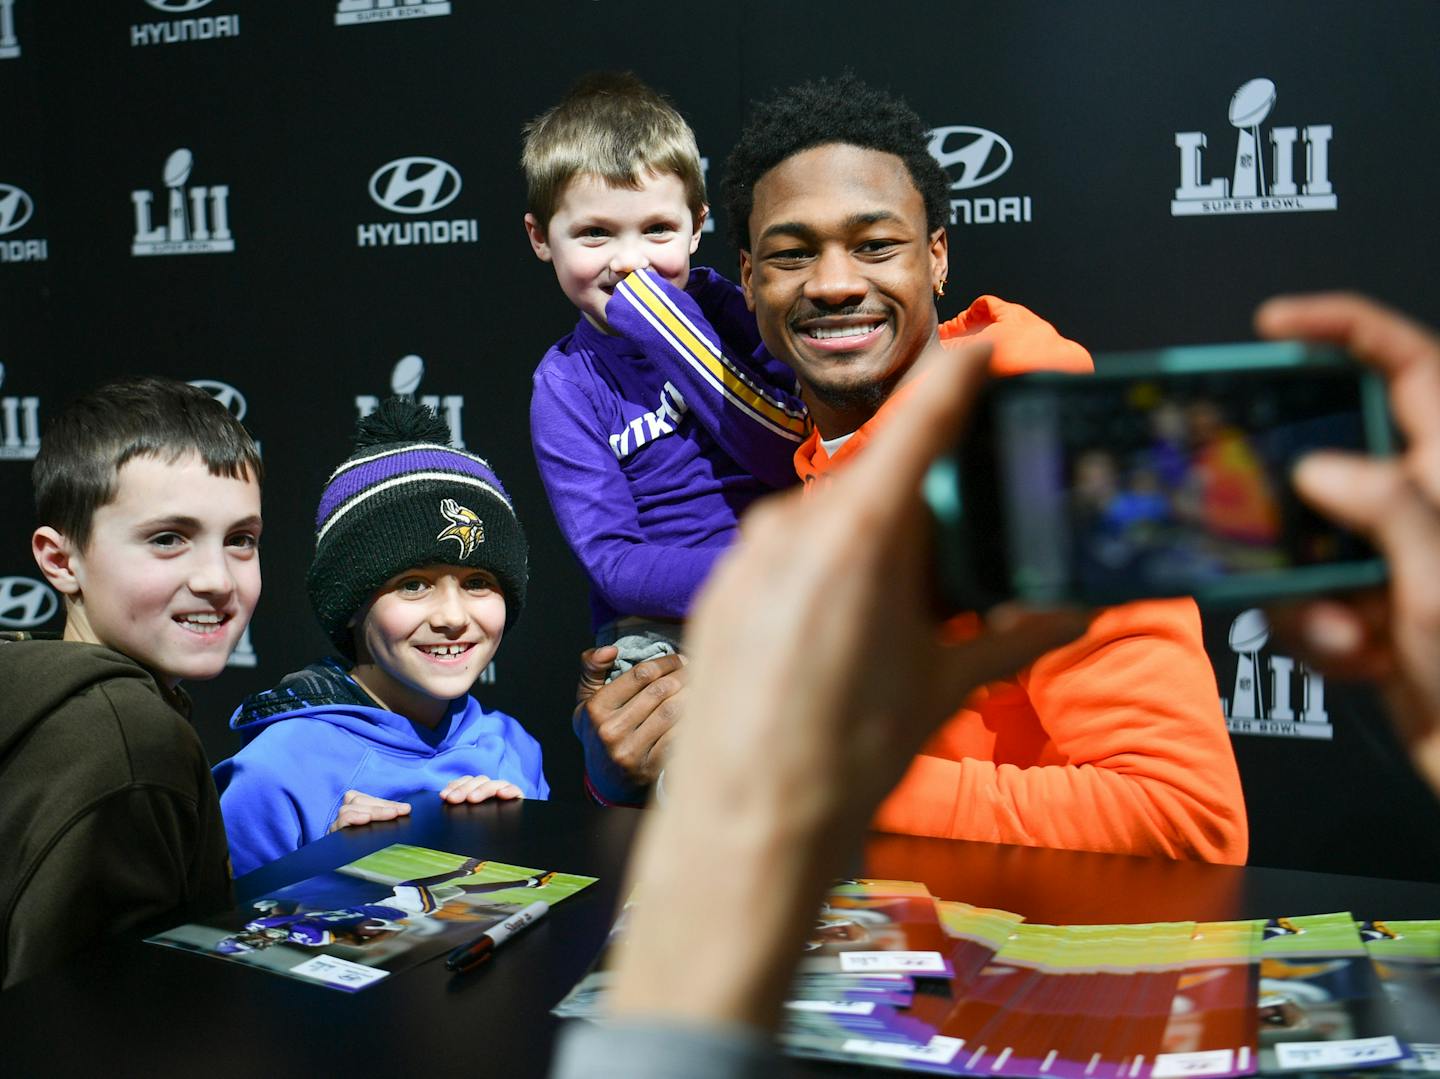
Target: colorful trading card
1155, 955
868, 929
1212, 1026
1406, 955
1321, 1003
980, 931
879, 927
386, 912
998, 993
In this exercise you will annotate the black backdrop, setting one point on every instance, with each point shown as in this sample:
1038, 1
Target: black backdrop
292, 108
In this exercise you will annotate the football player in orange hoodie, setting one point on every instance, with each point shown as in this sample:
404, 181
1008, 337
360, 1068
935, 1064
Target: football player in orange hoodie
1115, 742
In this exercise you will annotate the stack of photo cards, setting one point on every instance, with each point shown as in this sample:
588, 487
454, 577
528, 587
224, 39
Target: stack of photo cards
1064, 1000
867, 930
1322, 1005
892, 977
1406, 955
356, 925
1212, 1029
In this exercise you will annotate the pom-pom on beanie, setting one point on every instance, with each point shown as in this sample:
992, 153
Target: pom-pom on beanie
407, 498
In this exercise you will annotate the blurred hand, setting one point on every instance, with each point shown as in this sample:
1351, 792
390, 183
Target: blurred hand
817, 671
814, 643
1392, 635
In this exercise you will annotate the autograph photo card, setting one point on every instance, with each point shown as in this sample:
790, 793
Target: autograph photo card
1322, 1006
879, 927
1406, 955
356, 925
1213, 1019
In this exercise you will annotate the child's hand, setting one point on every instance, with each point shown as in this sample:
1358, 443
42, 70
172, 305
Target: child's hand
358, 808
477, 789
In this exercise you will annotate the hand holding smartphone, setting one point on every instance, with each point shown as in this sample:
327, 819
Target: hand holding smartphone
1164, 473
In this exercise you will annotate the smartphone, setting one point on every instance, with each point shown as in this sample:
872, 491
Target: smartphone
1163, 473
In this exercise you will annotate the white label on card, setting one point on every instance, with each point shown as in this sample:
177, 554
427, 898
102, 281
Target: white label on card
339, 972
1210, 1062
1427, 1057
925, 962
833, 1007
940, 1050
1352, 1051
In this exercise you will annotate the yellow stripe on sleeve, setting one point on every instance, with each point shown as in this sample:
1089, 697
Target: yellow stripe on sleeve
696, 350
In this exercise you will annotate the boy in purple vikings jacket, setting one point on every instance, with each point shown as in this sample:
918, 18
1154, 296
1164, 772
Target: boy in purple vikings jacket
655, 423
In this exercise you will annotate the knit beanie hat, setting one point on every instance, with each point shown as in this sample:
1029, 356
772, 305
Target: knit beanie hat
407, 498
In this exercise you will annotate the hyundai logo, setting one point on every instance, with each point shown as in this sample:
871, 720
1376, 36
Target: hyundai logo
15, 208
415, 185
176, 7
227, 395
25, 603
981, 155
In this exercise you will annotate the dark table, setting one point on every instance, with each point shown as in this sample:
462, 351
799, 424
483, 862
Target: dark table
132, 1008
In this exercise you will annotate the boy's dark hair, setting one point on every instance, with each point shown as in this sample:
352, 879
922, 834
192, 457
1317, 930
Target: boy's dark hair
85, 446
820, 113
613, 126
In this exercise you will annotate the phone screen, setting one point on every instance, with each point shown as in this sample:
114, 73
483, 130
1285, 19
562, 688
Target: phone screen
1143, 482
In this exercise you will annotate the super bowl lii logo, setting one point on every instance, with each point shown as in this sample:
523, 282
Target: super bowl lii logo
194, 220
19, 425
404, 381
1271, 694
9, 43
357, 12
1252, 188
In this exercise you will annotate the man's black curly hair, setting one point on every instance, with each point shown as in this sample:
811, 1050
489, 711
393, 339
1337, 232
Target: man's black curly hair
818, 113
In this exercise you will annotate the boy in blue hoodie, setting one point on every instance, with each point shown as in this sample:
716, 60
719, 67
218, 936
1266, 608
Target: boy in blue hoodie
420, 566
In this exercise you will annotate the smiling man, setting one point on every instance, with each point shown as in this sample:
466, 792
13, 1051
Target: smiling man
1115, 742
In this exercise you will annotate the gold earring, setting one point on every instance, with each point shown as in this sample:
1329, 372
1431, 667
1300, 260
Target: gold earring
940, 288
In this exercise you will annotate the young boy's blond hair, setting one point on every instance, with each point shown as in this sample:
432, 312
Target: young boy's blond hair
612, 126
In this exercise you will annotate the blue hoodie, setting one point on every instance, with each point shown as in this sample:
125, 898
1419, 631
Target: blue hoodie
318, 734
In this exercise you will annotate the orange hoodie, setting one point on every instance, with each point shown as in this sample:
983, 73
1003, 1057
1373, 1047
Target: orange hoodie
1115, 742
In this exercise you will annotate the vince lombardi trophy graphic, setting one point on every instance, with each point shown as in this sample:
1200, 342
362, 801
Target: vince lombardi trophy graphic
405, 378
1248, 634
177, 171
1250, 105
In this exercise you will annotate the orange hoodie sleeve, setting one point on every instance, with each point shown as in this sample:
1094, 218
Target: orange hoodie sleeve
1020, 339
1133, 754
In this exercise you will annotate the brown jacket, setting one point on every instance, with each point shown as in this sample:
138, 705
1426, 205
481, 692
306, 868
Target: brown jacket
108, 814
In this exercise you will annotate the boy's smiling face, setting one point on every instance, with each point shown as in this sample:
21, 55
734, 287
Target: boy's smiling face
599, 233
426, 638
171, 572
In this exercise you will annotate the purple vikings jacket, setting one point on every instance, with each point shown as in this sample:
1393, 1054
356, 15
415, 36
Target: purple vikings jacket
653, 441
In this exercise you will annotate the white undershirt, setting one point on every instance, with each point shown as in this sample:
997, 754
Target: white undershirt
833, 444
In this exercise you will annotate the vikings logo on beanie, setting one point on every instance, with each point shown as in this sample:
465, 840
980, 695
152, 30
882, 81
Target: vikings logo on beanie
407, 498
